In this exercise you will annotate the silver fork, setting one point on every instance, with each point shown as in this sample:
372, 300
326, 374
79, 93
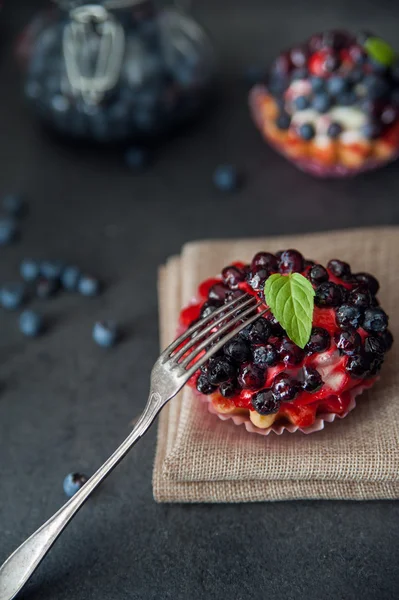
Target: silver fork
170, 373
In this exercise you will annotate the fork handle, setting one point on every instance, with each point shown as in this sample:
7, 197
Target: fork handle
19, 567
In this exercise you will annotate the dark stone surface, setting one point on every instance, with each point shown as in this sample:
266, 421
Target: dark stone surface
65, 404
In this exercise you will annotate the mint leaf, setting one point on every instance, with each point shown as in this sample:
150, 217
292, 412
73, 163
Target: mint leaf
380, 51
291, 300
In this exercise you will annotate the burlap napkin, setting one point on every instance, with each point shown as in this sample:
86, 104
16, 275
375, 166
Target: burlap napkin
203, 459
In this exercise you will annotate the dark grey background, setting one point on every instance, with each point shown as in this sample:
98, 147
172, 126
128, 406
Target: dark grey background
65, 404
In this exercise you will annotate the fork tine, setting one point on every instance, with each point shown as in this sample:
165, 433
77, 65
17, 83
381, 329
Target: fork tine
189, 372
212, 325
184, 363
201, 323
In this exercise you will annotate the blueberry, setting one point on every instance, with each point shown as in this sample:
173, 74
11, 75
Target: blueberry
376, 85
8, 230
336, 85
284, 388
357, 365
265, 402
329, 294
290, 353
105, 333
30, 323
371, 130
237, 350
375, 320
321, 102
266, 260
73, 482
14, 205
307, 131
318, 274
258, 332
369, 281
339, 268
283, 121
356, 76
375, 363
257, 278
45, 288
319, 340
218, 292
88, 286
360, 297
137, 158
208, 308
374, 345
265, 355
70, 278
301, 102
348, 341
12, 295
346, 98
225, 178
232, 276
228, 389
387, 339
334, 130
291, 261
203, 385
220, 369
312, 380
251, 376
51, 269
29, 269
349, 316
317, 83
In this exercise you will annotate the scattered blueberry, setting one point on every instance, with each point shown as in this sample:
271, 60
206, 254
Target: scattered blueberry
283, 121
30, 323
312, 381
220, 369
291, 261
376, 86
258, 332
265, 355
307, 131
347, 98
251, 376
45, 288
12, 295
218, 292
203, 385
237, 350
334, 130
232, 276
360, 297
14, 205
339, 268
257, 278
105, 333
369, 281
387, 339
318, 274
266, 260
371, 130
336, 85
374, 345
70, 278
301, 102
73, 482
329, 294
318, 84
375, 320
51, 269
29, 269
349, 316
265, 402
319, 340
290, 353
284, 388
225, 178
228, 389
357, 365
348, 341
321, 102
8, 230
88, 286
137, 157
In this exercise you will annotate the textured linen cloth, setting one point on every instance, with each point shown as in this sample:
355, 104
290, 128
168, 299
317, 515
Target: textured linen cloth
200, 458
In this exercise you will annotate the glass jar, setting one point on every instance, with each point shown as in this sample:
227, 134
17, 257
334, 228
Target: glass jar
116, 70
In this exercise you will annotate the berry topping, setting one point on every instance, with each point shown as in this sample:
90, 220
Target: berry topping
237, 350
265, 260
375, 320
339, 268
349, 316
291, 261
219, 370
318, 274
218, 292
358, 365
257, 332
312, 380
336, 85
301, 102
319, 341
348, 341
251, 376
265, 356
369, 281
265, 402
203, 385
374, 345
387, 339
284, 388
329, 294
307, 131
289, 352
360, 297
232, 276
321, 102
257, 278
